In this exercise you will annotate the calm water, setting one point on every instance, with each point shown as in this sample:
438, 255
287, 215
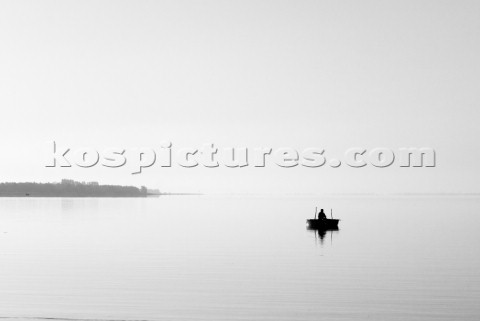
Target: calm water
237, 258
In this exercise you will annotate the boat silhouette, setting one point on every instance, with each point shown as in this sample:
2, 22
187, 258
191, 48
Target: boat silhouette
323, 223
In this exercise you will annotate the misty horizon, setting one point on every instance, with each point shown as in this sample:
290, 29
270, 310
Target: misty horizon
311, 74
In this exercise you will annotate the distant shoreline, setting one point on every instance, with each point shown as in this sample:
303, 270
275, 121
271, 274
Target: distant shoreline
74, 189
96, 196
71, 188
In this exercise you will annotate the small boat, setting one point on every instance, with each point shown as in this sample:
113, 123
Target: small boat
323, 224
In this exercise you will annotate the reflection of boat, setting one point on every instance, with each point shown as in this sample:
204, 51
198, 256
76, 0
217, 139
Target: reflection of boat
323, 224
322, 232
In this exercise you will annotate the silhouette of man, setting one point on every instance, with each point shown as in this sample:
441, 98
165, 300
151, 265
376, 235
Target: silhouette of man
321, 215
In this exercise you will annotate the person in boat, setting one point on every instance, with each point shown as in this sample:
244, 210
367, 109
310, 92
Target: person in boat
321, 215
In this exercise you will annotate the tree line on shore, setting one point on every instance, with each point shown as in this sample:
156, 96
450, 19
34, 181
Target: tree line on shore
70, 188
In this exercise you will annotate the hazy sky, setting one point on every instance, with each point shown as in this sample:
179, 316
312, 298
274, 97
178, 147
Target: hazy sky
327, 74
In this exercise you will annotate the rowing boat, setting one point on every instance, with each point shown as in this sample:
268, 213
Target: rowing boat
323, 223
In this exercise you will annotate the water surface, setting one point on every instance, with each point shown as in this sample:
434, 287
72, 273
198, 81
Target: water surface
239, 258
